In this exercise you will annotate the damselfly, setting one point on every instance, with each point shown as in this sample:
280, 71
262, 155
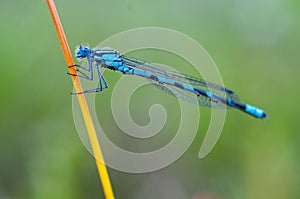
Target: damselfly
185, 87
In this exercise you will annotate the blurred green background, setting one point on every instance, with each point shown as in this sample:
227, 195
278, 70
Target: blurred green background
256, 47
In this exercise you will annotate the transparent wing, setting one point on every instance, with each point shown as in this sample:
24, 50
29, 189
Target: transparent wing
183, 79
188, 96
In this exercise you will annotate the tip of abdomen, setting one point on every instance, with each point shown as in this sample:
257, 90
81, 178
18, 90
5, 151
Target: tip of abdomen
256, 112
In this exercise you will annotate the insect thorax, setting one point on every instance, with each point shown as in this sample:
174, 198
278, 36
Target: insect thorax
107, 58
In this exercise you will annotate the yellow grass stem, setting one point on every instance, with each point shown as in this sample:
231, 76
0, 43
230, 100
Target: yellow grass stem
103, 174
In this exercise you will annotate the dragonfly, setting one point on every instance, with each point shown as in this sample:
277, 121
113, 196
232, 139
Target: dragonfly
185, 87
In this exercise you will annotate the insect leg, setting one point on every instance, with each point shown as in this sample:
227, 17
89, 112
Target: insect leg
83, 75
100, 76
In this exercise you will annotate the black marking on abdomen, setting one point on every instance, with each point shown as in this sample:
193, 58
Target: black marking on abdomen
235, 104
210, 96
179, 85
200, 92
153, 77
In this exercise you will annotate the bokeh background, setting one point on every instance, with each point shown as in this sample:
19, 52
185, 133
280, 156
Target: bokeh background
256, 47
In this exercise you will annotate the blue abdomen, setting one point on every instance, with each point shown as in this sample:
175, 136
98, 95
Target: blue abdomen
256, 112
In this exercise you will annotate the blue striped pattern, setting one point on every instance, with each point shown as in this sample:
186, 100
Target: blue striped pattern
185, 87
